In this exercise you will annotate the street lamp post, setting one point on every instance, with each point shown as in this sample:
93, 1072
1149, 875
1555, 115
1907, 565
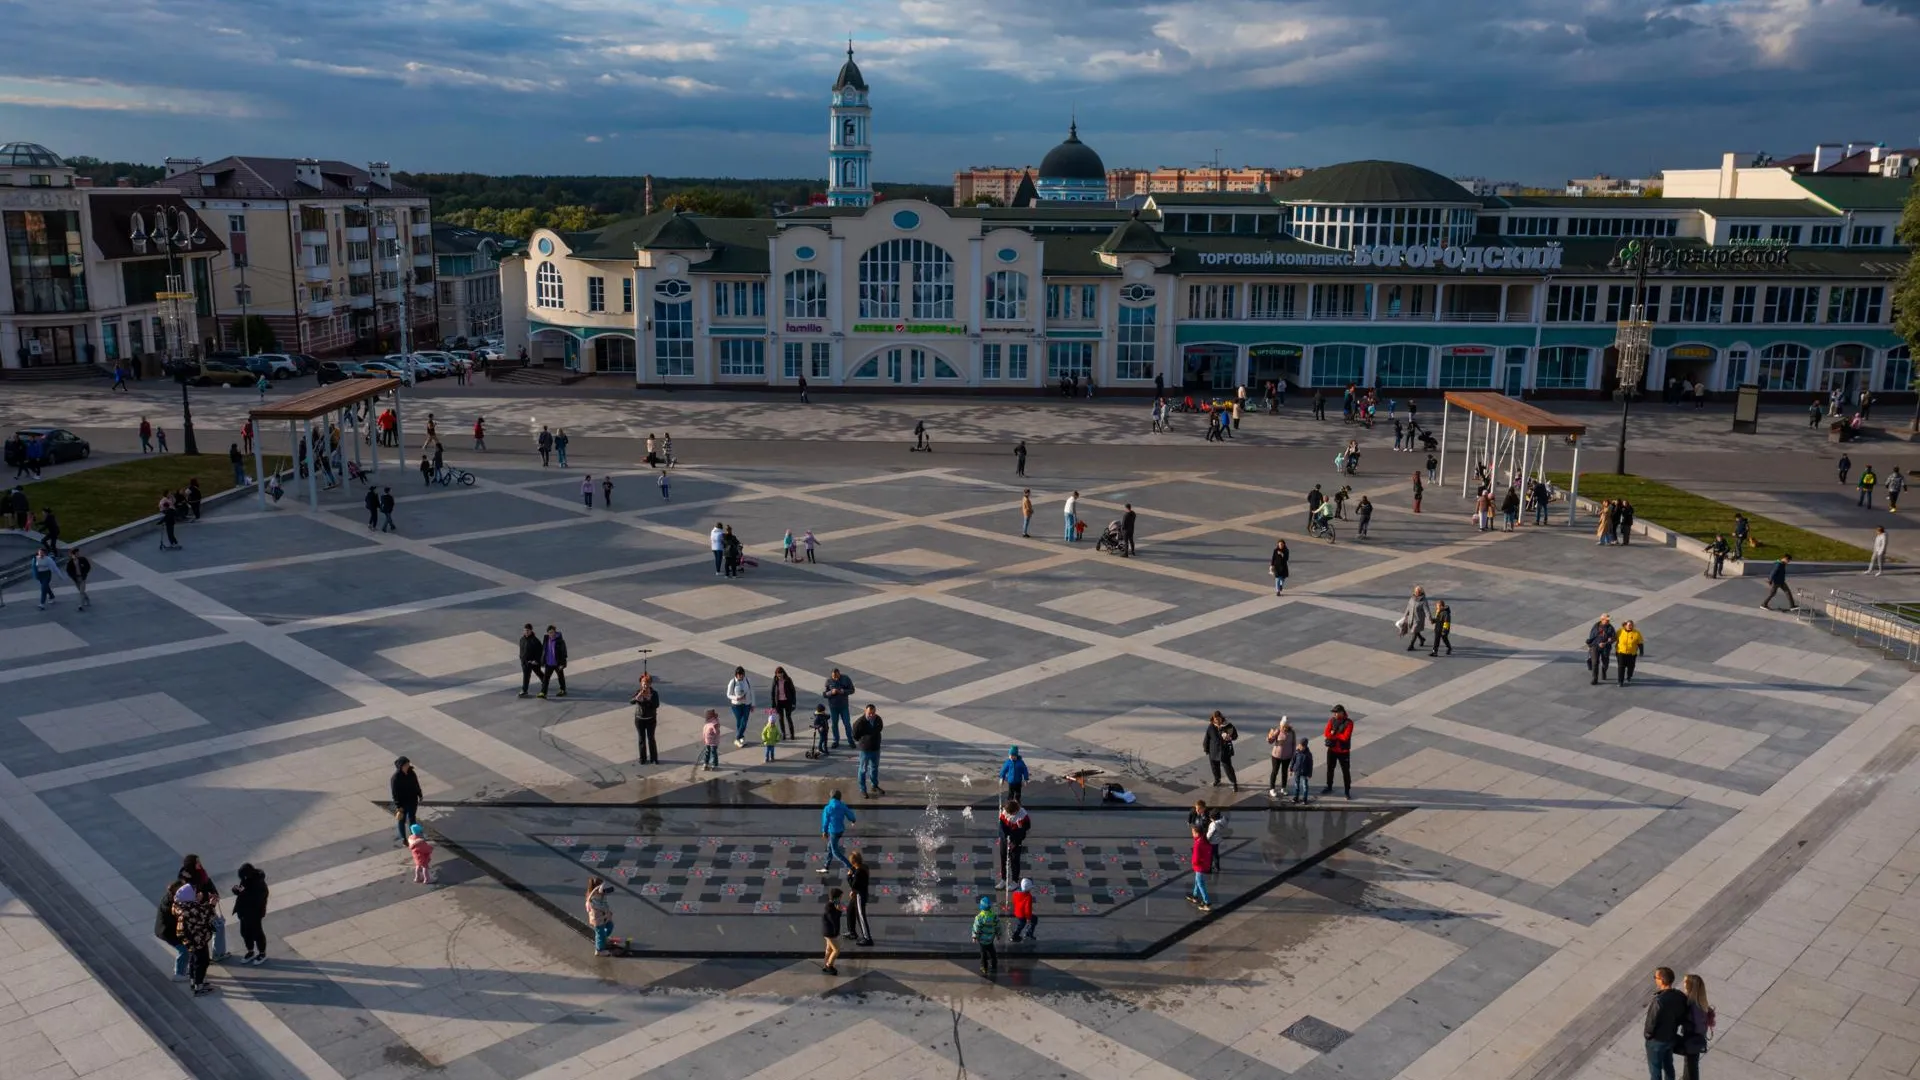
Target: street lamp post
176, 234
1633, 340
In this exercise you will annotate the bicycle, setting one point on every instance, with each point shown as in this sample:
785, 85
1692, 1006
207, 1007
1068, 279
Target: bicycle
1322, 528
449, 475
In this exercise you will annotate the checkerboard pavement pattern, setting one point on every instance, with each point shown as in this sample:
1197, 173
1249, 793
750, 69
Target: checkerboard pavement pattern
243, 701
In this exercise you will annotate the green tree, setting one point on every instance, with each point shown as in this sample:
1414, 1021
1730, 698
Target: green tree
711, 202
1906, 291
985, 199
571, 218
253, 334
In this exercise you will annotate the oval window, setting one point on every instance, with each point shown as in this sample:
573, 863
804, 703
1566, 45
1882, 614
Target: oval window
803, 253
906, 219
546, 246
1008, 255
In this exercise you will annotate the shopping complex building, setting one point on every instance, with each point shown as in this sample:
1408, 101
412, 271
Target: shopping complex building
1372, 272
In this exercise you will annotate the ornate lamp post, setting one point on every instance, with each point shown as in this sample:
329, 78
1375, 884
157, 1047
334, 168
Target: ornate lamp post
1633, 340
176, 234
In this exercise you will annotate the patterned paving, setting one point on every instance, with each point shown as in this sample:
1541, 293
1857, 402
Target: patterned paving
1539, 838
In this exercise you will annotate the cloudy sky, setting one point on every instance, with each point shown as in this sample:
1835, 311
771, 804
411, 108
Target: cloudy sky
1535, 90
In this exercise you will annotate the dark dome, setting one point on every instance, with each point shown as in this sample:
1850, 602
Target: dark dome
1374, 182
1073, 160
26, 155
850, 74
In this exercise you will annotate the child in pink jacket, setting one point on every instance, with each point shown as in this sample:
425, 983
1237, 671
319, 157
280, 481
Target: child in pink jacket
710, 735
422, 850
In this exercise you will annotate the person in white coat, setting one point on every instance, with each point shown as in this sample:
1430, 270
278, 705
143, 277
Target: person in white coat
740, 696
1878, 562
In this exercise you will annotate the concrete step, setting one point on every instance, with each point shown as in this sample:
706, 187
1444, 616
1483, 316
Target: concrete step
537, 376
176, 1020
50, 373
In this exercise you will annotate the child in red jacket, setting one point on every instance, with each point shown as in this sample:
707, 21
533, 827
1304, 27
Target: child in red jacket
1202, 862
422, 851
1024, 920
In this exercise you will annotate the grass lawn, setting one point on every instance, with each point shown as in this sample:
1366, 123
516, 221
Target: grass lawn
94, 500
1702, 518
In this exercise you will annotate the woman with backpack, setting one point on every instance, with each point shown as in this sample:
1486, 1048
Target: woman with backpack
250, 907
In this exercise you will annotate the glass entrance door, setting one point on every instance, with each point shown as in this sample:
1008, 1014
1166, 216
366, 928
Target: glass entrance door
1515, 372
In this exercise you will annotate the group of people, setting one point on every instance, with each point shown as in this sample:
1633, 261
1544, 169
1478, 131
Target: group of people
1869, 480
189, 919
1614, 523
1289, 754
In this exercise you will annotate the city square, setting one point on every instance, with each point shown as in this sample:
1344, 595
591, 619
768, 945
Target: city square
1520, 847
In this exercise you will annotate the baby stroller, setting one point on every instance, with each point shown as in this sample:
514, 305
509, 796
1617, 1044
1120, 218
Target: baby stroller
1428, 442
1111, 540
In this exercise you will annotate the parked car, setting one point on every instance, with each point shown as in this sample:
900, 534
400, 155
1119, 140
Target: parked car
307, 364
330, 371
222, 373
437, 361
386, 369
61, 444
272, 365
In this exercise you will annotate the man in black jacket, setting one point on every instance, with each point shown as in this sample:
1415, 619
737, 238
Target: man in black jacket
866, 739
1600, 641
404, 788
1127, 521
1669, 1017
373, 509
530, 652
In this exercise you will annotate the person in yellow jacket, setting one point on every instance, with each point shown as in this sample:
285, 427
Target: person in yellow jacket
1627, 648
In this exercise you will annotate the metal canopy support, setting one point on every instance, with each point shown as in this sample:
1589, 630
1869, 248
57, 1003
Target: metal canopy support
1573, 486
1466, 457
1446, 410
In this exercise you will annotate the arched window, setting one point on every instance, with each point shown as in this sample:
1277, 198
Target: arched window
547, 287
1783, 366
806, 294
1897, 373
1006, 296
1563, 367
885, 266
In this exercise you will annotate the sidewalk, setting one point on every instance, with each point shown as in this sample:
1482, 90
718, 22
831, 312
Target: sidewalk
56, 1020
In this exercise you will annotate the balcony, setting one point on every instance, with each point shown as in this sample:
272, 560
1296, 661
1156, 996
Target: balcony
388, 296
313, 237
1470, 316
360, 268
319, 309
320, 272
356, 234
389, 264
421, 228
387, 232
1406, 316
423, 258
361, 302
424, 289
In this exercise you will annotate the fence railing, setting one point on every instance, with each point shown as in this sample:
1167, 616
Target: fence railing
1891, 627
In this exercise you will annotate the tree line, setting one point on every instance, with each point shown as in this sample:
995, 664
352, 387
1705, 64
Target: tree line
516, 205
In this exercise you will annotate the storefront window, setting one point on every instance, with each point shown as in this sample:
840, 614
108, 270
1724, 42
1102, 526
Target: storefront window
743, 356
1403, 365
1897, 373
1563, 367
47, 264
1466, 368
1736, 368
1069, 358
1338, 365
1784, 367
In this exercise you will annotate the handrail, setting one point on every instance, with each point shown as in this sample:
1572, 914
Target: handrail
1892, 627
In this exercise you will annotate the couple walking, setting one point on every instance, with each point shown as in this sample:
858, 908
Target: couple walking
545, 657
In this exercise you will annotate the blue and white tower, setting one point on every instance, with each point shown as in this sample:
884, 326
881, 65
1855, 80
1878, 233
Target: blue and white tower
850, 150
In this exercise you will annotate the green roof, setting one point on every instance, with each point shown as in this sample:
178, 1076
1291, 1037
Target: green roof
1212, 198
1859, 192
739, 245
1077, 255
1134, 237
1720, 208
1374, 182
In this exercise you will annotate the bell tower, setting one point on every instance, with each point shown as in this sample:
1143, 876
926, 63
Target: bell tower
849, 146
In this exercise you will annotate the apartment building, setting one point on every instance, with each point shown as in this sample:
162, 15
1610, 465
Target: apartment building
334, 257
1122, 183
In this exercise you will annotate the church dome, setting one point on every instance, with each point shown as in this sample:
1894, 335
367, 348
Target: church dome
1073, 160
26, 155
850, 78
